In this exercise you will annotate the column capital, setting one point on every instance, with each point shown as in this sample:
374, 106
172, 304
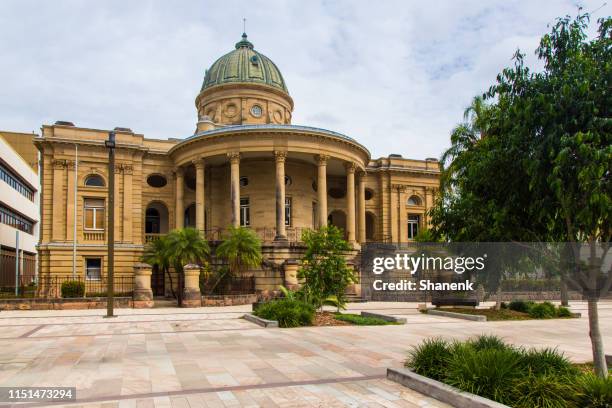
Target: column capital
234, 157
350, 167
178, 172
280, 155
399, 187
198, 163
362, 175
321, 159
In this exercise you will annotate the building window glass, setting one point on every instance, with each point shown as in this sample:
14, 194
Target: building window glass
15, 220
413, 225
93, 268
13, 180
414, 200
244, 181
94, 214
94, 181
245, 214
288, 211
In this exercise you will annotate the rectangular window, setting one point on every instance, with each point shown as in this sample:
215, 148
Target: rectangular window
245, 214
94, 214
413, 225
10, 178
288, 211
12, 218
93, 268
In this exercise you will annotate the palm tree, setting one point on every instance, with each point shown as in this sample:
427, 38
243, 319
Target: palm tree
157, 255
186, 246
241, 248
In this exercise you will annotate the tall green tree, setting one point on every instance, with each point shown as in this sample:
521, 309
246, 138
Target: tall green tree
157, 255
241, 248
542, 170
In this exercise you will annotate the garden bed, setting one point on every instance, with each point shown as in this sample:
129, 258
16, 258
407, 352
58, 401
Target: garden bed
516, 310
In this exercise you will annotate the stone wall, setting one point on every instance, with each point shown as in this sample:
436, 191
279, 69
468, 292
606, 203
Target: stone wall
62, 304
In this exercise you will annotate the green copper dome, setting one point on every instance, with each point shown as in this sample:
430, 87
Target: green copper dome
244, 65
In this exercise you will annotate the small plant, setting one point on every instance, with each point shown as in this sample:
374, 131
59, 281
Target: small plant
593, 392
520, 306
361, 320
288, 313
549, 390
547, 361
563, 311
488, 342
542, 311
489, 373
73, 289
430, 358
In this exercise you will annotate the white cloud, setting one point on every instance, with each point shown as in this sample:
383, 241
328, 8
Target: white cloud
395, 75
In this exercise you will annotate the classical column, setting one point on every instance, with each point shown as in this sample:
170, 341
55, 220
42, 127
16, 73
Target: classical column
179, 209
58, 200
235, 187
402, 215
322, 188
362, 212
199, 165
128, 233
280, 157
350, 202
70, 203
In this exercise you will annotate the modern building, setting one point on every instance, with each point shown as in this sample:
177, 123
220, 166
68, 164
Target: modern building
246, 164
19, 210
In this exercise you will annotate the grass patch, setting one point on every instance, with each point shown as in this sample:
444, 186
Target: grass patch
539, 311
359, 320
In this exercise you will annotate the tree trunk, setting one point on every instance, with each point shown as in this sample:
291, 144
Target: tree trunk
498, 298
599, 357
564, 292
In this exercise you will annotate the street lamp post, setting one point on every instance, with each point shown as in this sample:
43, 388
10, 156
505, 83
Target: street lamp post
110, 145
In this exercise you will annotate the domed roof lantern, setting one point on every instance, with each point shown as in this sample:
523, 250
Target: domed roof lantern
244, 42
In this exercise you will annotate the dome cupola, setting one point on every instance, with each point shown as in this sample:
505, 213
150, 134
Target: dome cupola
244, 87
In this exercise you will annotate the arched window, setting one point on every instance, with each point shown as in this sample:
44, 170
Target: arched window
94, 180
414, 200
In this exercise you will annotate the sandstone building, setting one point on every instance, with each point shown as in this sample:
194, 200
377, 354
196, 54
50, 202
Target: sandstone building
245, 164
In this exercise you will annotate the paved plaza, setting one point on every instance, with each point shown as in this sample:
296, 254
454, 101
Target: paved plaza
210, 357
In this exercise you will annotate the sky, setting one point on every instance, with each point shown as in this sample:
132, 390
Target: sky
396, 75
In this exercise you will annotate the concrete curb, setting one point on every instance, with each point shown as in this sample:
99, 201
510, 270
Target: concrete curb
259, 321
439, 391
388, 318
464, 316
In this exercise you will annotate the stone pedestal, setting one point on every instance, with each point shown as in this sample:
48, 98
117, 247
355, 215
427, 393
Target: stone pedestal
191, 294
291, 268
143, 295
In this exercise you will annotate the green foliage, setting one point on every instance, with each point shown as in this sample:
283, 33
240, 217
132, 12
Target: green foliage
546, 361
241, 248
593, 392
288, 313
73, 289
542, 311
563, 311
359, 320
157, 254
489, 373
485, 342
324, 266
520, 306
542, 391
430, 358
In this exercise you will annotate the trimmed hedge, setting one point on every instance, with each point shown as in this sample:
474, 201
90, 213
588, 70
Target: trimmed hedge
73, 289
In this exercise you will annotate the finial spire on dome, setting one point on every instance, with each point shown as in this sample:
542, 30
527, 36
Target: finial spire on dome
244, 42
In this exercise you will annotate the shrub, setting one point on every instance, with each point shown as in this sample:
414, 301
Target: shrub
520, 306
288, 313
542, 311
547, 361
430, 358
73, 289
547, 390
503, 305
593, 392
361, 320
563, 312
489, 373
485, 342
